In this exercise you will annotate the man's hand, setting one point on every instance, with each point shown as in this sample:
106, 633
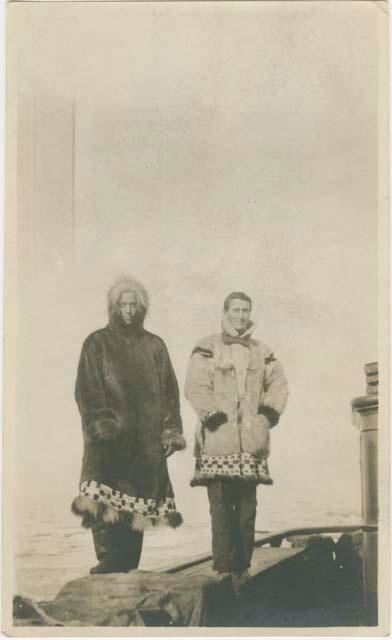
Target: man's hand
265, 422
270, 413
172, 440
105, 430
168, 449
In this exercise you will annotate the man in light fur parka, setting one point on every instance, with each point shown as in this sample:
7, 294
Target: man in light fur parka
128, 399
238, 390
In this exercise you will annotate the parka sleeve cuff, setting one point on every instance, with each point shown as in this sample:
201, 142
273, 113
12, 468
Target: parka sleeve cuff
270, 413
173, 438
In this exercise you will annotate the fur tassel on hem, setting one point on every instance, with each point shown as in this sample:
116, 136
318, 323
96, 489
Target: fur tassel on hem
92, 511
82, 505
173, 519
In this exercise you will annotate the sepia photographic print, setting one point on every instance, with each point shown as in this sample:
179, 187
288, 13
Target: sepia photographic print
196, 407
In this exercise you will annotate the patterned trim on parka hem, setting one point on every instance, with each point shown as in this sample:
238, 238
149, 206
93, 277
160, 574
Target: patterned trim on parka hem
100, 501
236, 466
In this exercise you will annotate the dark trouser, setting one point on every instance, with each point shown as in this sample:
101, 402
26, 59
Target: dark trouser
233, 515
117, 544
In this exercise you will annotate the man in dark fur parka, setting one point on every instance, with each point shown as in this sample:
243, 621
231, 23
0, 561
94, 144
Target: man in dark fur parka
128, 399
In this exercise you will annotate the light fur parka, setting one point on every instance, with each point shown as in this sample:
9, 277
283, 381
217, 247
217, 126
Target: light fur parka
249, 385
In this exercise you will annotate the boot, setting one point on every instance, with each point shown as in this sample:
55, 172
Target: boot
223, 575
117, 547
107, 565
239, 580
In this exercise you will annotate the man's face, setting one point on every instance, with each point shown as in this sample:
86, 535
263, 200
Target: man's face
238, 314
128, 306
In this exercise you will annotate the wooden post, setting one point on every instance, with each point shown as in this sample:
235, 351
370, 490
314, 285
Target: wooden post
365, 418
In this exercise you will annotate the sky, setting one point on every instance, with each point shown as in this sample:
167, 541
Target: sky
202, 148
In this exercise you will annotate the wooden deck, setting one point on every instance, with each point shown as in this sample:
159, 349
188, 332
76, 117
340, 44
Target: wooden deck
263, 558
300, 584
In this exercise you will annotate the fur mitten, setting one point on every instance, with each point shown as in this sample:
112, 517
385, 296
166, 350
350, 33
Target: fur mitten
214, 420
105, 429
271, 414
173, 439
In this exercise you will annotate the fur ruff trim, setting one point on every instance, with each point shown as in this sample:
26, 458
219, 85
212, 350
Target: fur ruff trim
173, 438
230, 331
92, 511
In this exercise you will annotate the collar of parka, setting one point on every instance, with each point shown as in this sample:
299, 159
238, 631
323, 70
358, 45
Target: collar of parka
117, 324
229, 330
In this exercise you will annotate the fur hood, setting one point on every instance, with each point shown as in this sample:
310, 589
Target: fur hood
142, 300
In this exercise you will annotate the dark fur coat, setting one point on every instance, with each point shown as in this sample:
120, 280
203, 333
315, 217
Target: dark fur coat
128, 399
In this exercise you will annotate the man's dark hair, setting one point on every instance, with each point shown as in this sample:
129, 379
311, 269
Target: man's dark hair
238, 295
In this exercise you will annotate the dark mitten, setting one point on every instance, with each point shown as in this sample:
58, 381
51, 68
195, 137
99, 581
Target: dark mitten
270, 413
106, 430
214, 420
173, 439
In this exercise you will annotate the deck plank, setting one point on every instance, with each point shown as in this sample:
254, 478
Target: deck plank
263, 538
263, 558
